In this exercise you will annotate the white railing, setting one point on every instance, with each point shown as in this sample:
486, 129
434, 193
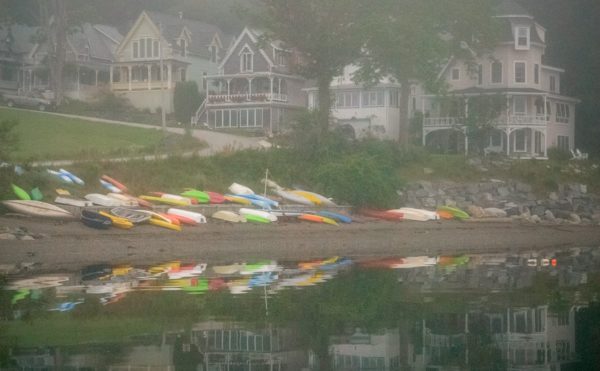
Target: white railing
511, 120
242, 98
441, 122
199, 113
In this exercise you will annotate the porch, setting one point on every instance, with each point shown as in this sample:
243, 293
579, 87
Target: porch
146, 76
239, 89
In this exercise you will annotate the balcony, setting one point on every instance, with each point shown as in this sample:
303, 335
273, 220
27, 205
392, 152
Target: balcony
139, 85
246, 98
501, 121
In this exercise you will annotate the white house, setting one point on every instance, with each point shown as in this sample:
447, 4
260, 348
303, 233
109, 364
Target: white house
536, 115
187, 50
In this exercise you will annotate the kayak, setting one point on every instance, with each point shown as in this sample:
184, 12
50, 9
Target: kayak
292, 197
335, 216
317, 219
36, 194
65, 178
94, 219
197, 195
117, 221
256, 219
416, 214
381, 214
20, 192
37, 208
109, 186
229, 216
133, 216
73, 177
164, 200
197, 217
103, 200
114, 182
320, 199
181, 219
72, 201
266, 200
239, 189
263, 214
456, 212
258, 203
215, 198
238, 200
125, 200
164, 224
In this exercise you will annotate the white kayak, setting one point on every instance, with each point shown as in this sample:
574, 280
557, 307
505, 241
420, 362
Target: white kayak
260, 213
239, 189
72, 201
37, 208
126, 200
292, 197
324, 200
416, 214
197, 217
229, 216
103, 200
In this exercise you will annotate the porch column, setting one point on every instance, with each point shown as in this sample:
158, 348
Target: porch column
545, 142
507, 125
169, 74
249, 87
228, 89
111, 76
271, 82
466, 142
508, 142
96, 71
149, 68
129, 76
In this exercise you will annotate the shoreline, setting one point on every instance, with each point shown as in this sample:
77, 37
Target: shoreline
69, 245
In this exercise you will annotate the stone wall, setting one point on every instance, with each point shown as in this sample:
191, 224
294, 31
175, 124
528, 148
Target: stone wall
571, 203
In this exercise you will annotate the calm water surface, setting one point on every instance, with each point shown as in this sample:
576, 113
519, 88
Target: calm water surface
533, 311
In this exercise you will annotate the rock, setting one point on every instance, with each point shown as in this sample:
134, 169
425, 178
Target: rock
475, 211
512, 211
574, 218
553, 196
422, 193
535, 219
583, 188
474, 161
503, 191
523, 187
538, 210
7, 236
548, 215
473, 188
450, 202
429, 202
493, 212
562, 214
26, 238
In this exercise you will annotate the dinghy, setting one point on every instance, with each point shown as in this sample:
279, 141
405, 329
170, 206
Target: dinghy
134, 216
229, 216
37, 208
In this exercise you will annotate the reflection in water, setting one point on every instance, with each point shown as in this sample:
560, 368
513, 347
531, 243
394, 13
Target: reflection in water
536, 311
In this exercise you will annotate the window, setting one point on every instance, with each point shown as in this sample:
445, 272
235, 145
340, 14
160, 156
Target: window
522, 38
538, 149
519, 105
135, 49
520, 143
373, 98
347, 99
455, 74
479, 74
213, 53
536, 73
280, 57
562, 113
394, 98
553, 83
142, 48
247, 60
145, 48
562, 142
183, 47
496, 73
520, 72
155, 48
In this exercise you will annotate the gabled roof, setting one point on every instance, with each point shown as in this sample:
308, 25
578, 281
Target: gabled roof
100, 41
254, 36
202, 34
17, 38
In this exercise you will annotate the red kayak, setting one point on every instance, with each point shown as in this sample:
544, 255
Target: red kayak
115, 182
382, 214
215, 198
181, 219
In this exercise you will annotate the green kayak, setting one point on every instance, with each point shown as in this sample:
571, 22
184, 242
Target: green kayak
256, 219
21, 193
36, 194
200, 196
458, 213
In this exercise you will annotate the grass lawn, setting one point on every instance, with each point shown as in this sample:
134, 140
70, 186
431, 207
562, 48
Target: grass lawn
49, 137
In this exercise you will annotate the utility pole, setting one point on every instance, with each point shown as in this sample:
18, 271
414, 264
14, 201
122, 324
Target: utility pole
162, 82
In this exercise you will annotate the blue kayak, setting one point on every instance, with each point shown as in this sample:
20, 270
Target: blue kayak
335, 216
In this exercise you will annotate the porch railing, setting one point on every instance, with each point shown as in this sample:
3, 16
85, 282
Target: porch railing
511, 120
242, 98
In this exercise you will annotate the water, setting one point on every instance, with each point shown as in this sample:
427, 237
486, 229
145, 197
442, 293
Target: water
533, 311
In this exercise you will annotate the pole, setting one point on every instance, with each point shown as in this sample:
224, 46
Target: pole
162, 82
266, 180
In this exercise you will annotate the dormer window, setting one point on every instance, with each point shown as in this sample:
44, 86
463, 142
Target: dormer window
455, 74
183, 47
281, 58
214, 53
246, 60
522, 38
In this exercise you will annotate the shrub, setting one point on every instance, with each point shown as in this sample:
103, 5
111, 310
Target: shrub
558, 154
359, 180
186, 100
9, 141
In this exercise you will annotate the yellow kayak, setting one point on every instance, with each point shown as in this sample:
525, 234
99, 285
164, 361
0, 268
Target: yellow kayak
118, 221
238, 200
165, 200
162, 223
309, 196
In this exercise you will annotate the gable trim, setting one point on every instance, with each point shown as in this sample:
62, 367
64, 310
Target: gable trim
135, 26
246, 31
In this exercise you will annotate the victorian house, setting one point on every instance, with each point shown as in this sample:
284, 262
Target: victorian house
254, 88
160, 50
535, 115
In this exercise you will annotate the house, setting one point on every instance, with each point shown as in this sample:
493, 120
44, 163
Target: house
89, 53
363, 111
534, 116
254, 88
186, 49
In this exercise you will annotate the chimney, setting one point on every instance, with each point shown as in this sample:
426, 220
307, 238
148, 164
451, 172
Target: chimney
180, 15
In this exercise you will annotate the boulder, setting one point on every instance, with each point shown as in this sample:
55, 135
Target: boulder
493, 212
476, 211
523, 187
549, 216
7, 236
503, 191
574, 218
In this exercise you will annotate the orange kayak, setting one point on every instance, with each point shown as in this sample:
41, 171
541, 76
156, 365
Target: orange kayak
381, 214
114, 182
445, 215
317, 219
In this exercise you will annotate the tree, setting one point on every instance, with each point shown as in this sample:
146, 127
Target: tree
325, 32
412, 40
185, 100
9, 141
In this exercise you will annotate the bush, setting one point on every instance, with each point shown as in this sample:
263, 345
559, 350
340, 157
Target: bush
186, 100
9, 141
359, 180
558, 154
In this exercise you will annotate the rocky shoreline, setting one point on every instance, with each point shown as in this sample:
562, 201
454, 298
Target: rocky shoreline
570, 204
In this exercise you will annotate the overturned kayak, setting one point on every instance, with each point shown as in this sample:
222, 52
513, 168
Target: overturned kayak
95, 220
239, 189
229, 216
263, 214
454, 211
293, 197
382, 214
317, 219
37, 208
416, 214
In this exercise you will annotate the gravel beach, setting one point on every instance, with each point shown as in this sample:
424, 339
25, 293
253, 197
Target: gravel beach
60, 245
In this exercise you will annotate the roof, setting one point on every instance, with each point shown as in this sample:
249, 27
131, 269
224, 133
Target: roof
100, 41
17, 38
511, 8
202, 34
507, 29
478, 90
